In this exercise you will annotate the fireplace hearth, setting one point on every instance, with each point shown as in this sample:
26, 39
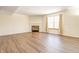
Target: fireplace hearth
35, 28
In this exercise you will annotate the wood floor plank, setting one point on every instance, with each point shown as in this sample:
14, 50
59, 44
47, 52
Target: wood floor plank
38, 42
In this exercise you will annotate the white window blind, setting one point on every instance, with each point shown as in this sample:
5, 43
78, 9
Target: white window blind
53, 21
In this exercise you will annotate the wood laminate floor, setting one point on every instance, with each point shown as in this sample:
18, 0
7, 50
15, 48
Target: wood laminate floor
38, 43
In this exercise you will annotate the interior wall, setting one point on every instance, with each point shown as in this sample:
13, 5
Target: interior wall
16, 23
44, 27
13, 23
70, 24
38, 20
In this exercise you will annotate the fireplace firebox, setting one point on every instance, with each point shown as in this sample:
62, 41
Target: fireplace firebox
35, 28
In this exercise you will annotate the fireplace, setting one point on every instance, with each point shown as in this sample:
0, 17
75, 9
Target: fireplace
35, 28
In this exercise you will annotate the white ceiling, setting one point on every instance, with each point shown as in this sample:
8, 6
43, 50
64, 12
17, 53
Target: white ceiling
32, 10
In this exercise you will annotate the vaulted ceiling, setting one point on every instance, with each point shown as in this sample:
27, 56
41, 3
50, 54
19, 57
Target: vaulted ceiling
32, 10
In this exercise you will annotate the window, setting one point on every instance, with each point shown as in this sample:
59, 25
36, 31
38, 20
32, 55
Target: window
53, 21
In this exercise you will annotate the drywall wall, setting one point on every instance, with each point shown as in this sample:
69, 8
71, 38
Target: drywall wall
44, 28
70, 23
13, 23
16, 23
38, 20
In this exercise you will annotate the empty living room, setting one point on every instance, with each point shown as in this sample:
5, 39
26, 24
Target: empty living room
39, 29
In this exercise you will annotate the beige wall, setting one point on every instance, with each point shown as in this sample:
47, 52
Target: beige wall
13, 23
44, 27
70, 24
38, 20
16, 23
